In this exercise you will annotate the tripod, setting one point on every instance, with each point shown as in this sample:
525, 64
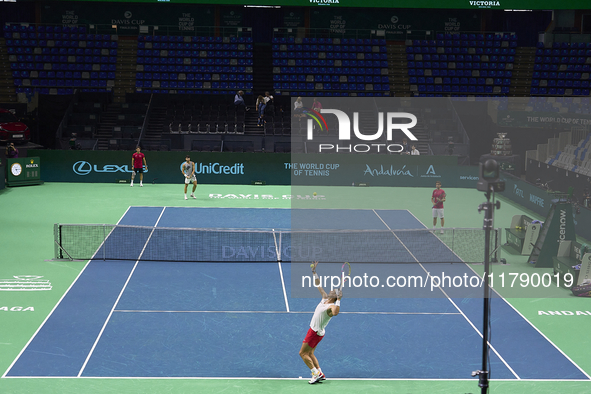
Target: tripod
488, 207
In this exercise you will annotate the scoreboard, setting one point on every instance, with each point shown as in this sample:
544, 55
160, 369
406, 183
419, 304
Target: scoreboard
23, 171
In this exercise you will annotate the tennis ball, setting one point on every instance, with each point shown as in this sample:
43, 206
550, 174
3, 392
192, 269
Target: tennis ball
311, 265
314, 193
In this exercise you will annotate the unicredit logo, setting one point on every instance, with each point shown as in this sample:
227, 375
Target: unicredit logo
85, 168
218, 168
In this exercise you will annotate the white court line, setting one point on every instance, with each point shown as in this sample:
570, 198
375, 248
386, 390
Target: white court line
474, 380
284, 312
388, 227
536, 329
458, 309
119, 296
56, 305
283, 285
523, 317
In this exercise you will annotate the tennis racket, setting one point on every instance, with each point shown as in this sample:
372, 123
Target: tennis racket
439, 199
345, 275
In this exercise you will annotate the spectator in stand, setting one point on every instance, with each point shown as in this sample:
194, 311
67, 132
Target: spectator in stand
414, 151
261, 110
270, 109
239, 100
298, 106
11, 151
405, 147
316, 106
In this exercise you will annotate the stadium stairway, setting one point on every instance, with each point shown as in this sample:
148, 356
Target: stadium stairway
126, 68
398, 70
156, 125
262, 69
107, 122
523, 69
7, 89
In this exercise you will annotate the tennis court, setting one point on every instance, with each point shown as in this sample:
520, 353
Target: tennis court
135, 318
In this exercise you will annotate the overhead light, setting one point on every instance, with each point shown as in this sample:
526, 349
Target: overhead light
262, 6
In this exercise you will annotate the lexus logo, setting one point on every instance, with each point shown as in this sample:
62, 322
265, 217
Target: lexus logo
82, 168
85, 168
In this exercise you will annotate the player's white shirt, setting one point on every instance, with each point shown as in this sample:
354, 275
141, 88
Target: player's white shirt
320, 318
188, 168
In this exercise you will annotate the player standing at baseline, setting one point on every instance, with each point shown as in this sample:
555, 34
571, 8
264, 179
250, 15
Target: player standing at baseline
437, 198
188, 170
328, 307
138, 161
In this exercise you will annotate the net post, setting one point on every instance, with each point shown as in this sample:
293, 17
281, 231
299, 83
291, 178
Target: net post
496, 256
453, 238
56, 240
63, 250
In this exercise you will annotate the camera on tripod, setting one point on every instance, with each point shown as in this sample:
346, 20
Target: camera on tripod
490, 177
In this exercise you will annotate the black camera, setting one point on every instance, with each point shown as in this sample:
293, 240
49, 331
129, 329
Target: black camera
490, 177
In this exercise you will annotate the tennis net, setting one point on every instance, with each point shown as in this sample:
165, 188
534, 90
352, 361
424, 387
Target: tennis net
123, 242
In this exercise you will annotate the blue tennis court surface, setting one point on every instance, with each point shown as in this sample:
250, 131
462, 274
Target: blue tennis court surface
180, 319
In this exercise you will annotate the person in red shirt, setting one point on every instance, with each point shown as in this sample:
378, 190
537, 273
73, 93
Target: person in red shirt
437, 198
138, 161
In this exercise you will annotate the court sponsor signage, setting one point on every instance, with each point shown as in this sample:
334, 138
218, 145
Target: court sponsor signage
164, 167
219, 169
518, 192
84, 168
485, 4
265, 197
564, 313
378, 170
403, 171
391, 171
25, 283
539, 201
543, 119
271, 168
17, 309
269, 253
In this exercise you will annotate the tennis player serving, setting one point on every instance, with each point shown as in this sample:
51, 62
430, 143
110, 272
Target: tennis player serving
437, 198
328, 307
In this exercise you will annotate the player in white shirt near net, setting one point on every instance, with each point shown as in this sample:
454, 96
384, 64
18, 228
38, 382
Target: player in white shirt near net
188, 170
328, 307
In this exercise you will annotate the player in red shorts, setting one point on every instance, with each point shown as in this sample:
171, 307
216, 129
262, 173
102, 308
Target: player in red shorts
328, 307
437, 198
138, 161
